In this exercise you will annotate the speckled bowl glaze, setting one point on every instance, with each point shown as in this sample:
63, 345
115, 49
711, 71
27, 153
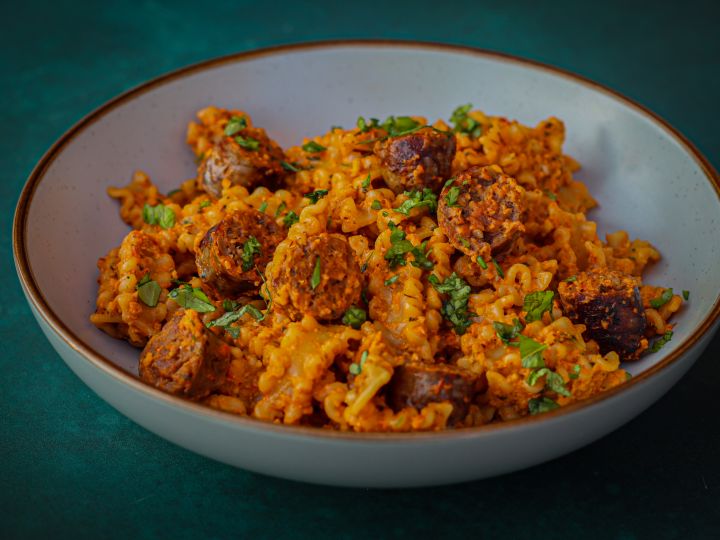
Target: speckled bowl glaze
647, 178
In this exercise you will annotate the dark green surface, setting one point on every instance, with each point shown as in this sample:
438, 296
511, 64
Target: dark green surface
72, 466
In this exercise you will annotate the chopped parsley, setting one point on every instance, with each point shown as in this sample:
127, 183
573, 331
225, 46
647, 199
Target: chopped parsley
205, 203
541, 405
366, 183
313, 147
418, 199
280, 208
148, 291
263, 207
498, 268
376, 205
531, 352
248, 143
235, 124
230, 305
292, 167
421, 260
401, 125
251, 249
363, 125
660, 343
356, 369
158, 215
192, 298
553, 381
316, 195
537, 303
354, 317
316, 275
463, 123
290, 219
663, 299
506, 332
686, 295
482, 262
452, 196
575, 372
392, 280
227, 319
455, 308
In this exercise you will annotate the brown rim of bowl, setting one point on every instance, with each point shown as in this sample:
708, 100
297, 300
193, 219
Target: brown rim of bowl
106, 365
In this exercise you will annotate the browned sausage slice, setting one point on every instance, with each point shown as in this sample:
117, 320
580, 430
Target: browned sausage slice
608, 303
185, 358
257, 163
481, 211
422, 159
319, 277
228, 254
416, 385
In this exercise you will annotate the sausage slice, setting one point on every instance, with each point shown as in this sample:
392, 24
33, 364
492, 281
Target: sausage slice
185, 358
422, 159
258, 162
608, 303
416, 385
319, 276
481, 211
228, 254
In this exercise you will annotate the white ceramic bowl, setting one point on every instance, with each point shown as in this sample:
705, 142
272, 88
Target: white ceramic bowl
647, 178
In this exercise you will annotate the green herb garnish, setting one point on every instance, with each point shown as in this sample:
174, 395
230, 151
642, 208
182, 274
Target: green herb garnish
251, 249
192, 298
506, 332
292, 167
313, 147
158, 215
248, 143
354, 317
481, 262
356, 369
230, 305
660, 343
280, 208
204, 204
553, 381
452, 196
455, 308
227, 319
316, 195
392, 280
541, 405
537, 303
663, 299
686, 295
418, 199
421, 260
376, 205
290, 219
463, 123
497, 267
316, 275
148, 291
263, 207
531, 352
235, 124
575, 372
570, 279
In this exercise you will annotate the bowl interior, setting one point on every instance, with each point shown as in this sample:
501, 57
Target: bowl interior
644, 178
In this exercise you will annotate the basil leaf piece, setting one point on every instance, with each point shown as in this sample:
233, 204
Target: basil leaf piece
354, 317
455, 308
553, 381
507, 332
452, 196
158, 215
235, 124
418, 199
663, 299
192, 298
316, 275
531, 352
248, 143
148, 291
541, 405
537, 303
316, 195
313, 147
251, 249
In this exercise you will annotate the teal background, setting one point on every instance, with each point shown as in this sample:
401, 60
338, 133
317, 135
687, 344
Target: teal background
71, 466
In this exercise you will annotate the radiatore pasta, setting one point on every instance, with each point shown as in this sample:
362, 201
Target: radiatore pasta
393, 276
